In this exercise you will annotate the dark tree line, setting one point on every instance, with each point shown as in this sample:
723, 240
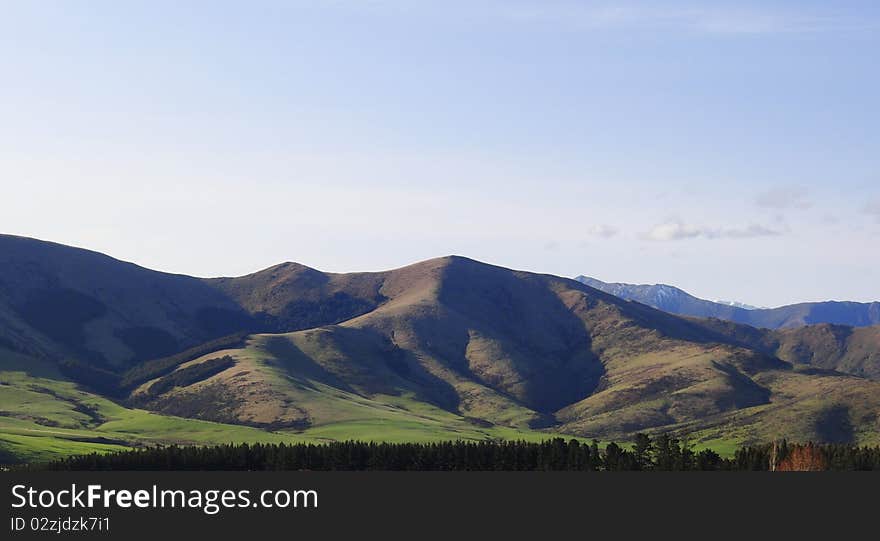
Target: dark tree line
784, 456
556, 454
663, 453
161, 367
189, 375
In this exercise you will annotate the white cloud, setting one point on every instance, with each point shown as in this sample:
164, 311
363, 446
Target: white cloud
676, 230
673, 231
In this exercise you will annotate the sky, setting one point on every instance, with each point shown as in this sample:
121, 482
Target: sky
728, 148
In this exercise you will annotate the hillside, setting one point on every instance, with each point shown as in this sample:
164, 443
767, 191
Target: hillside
291, 296
845, 349
57, 302
676, 301
524, 350
850, 350
44, 416
444, 348
62, 302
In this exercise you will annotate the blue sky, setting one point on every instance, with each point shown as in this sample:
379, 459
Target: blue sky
729, 148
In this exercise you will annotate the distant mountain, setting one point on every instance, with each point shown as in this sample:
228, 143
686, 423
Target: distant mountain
676, 301
444, 348
738, 304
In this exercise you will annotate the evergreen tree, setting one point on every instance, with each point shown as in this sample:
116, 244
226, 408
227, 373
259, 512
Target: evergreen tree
642, 449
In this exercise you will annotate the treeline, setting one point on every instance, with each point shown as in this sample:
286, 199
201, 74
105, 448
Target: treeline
663, 453
160, 367
783, 456
552, 455
189, 375
119, 385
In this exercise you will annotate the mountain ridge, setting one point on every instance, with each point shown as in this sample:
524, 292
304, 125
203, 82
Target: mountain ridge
677, 301
449, 344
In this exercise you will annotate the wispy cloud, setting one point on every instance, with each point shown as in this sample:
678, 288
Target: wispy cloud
784, 197
673, 231
712, 19
873, 209
677, 16
676, 230
602, 231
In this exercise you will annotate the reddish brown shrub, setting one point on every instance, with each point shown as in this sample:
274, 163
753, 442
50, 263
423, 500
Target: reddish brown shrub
803, 458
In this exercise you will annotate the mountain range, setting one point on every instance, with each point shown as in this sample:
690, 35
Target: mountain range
676, 301
96, 353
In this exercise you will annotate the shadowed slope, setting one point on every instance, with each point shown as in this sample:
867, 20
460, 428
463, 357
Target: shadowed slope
57, 301
845, 349
849, 350
291, 296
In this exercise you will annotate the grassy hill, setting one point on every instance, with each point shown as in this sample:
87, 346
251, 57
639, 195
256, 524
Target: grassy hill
523, 350
448, 348
845, 349
43, 416
849, 350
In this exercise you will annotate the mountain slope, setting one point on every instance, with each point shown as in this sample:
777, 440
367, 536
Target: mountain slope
523, 350
849, 350
62, 302
676, 301
44, 417
845, 349
291, 296
448, 346
59, 302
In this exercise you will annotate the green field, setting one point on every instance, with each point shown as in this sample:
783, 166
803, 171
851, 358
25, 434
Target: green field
43, 418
